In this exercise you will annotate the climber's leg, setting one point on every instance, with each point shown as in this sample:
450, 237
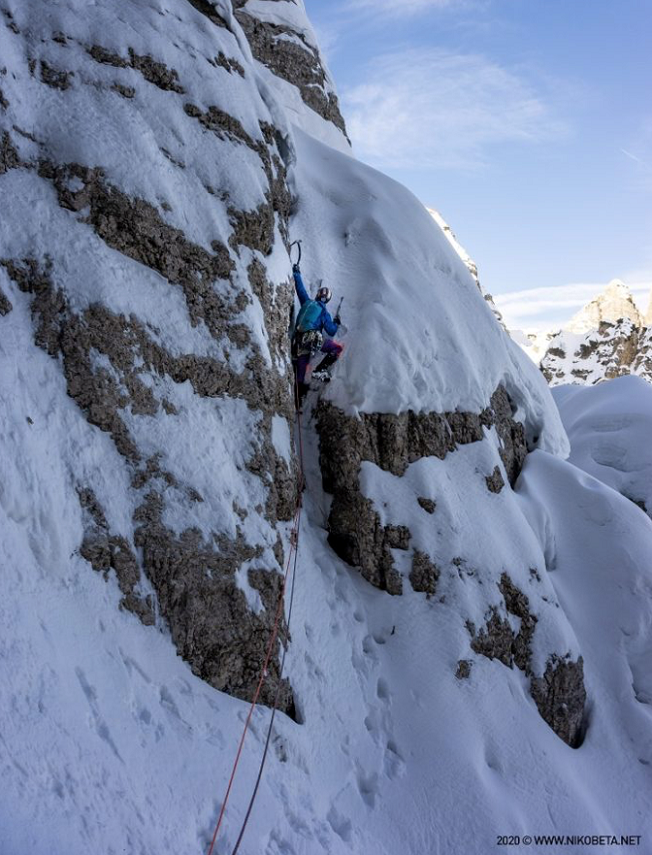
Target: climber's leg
333, 350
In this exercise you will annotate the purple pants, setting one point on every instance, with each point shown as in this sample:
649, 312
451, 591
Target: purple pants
329, 346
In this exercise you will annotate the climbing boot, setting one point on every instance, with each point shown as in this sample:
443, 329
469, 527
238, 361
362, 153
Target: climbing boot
321, 372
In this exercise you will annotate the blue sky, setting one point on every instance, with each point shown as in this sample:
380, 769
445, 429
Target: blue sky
526, 123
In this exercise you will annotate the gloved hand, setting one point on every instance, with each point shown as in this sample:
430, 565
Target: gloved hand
296, 268
337, 320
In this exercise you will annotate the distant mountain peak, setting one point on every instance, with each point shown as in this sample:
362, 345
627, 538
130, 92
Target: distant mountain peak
615, 302
608, 338
648, 315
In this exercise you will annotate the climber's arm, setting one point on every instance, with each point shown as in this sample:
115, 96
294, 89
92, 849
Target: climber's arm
300, 288
330, 325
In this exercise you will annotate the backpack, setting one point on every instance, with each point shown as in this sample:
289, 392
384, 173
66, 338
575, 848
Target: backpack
308, 316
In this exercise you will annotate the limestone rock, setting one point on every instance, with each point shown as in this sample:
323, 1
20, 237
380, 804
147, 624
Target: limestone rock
176, 549
5, 304
495, 481
393, 442
648, 315
289, 55
428, 505
424, 574
613, 304
560, 697
559, 693
463, 671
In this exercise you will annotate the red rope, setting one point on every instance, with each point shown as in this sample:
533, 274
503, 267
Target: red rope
270, 727
294, 543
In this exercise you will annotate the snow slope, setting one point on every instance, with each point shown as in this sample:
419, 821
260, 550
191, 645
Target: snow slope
468, 261
609, 427
457, 246
108, 741
425, 339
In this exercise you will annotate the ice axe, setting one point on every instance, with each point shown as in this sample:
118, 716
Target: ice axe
296, 243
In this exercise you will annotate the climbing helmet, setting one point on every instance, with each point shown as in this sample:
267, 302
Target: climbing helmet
324, 294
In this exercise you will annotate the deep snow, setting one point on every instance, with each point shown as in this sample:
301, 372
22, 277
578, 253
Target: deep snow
425, 339
108, 743
609, 426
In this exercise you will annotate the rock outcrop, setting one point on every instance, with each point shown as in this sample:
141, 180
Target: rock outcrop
286, 51
5, 304
559, 693
560, 697
393, 442
358, 535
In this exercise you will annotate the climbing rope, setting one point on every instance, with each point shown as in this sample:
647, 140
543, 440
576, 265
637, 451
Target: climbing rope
292, 561
278, 688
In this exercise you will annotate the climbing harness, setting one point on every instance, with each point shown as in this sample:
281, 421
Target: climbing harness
291, 562
308, 343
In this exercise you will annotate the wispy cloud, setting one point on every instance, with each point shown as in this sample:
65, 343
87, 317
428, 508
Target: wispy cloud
545, 308
404, 7
640, 153
636, 159
434, 108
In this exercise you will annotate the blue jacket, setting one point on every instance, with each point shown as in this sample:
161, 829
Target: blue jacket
324, 321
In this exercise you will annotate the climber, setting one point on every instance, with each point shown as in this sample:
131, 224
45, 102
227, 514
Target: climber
313, 318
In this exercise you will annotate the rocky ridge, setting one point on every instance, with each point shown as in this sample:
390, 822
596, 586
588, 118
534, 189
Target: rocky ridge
469, 263
608, 338
613, 304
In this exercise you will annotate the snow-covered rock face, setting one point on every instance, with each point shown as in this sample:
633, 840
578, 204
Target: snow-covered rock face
393, 443
154, 166
612, 350
282, 39
428, 378
608, 338
144, 166
366, 460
